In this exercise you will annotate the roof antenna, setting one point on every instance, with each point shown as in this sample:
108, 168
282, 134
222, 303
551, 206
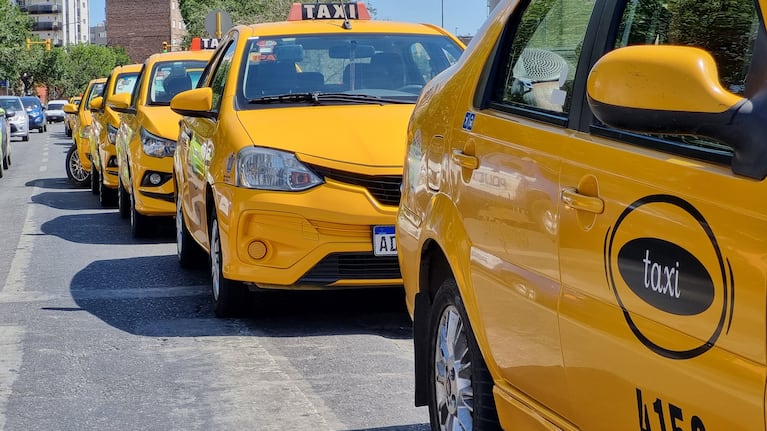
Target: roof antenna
347, 25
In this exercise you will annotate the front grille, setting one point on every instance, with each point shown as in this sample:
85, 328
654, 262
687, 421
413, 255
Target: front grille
352, 266
384, 188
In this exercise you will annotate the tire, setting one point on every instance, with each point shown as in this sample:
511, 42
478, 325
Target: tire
123, 200
95, 179
107, 196
460, 361
229, 296
75, 172
25, 138
189, 253
139, 223
6, 162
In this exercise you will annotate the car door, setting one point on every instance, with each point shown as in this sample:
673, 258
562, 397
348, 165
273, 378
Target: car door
195, 145
508, 163
662, 312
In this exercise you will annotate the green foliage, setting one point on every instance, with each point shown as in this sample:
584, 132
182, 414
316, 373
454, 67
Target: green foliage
14, 30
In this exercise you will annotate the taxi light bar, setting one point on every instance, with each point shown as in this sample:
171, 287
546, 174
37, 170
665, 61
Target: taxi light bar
311, 11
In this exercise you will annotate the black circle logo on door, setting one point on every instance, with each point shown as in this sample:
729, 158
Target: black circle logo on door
669, 277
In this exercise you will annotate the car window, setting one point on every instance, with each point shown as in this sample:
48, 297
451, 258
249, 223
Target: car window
727, 30
375, 64
96, 90
169, 78
218, 81
11, 104
541, 61
125, 82
55, 106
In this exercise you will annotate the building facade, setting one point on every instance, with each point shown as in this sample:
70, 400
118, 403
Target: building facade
141, 26
99, 34
64, 22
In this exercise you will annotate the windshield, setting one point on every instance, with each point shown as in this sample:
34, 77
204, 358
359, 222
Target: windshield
55, 106
379, 65
31, 102
125, 82
12, 104
172, 77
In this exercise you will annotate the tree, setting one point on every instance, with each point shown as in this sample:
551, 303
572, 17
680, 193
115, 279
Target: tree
15, 27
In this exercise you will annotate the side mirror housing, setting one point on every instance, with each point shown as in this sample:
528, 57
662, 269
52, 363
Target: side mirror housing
96, 104
197, 102
120, 102
675, 90
70, 108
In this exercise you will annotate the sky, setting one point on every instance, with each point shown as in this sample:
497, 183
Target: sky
461, 17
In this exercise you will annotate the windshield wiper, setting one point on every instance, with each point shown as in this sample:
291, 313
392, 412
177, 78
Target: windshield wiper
287, 98
317, 98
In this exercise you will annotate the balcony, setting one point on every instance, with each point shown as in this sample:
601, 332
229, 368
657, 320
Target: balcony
42, 8
46, 25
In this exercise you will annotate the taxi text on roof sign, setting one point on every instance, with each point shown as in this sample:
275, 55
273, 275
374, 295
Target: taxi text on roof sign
306, 11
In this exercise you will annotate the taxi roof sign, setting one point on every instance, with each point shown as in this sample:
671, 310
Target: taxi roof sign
312, 11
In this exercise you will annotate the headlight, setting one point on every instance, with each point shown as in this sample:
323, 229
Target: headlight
156, 146
267, 169
111, 133
85, 132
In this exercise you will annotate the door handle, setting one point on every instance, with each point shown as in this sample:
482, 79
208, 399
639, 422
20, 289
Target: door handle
570, 197
465, 160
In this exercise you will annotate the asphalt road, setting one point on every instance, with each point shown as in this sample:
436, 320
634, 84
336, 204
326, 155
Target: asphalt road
99, 331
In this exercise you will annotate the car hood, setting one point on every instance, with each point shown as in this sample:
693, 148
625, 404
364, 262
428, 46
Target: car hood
160, 121
350, 137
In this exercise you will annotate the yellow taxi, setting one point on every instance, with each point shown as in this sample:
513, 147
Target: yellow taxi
69, 118
146, 138
580, 232
122, 79
289, 158
78, 163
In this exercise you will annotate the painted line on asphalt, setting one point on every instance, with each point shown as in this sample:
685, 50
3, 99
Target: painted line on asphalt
10, 365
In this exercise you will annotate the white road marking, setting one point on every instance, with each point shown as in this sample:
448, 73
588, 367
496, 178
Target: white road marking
10, 365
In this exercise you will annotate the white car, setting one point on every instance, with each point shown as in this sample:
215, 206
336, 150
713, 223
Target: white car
19, 122
54, 111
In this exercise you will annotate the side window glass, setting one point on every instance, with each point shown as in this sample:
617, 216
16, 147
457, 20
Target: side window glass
218, 80
543, 55
727, 30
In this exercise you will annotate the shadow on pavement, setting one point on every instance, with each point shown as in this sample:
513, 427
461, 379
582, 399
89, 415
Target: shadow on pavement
105, 228
153, 296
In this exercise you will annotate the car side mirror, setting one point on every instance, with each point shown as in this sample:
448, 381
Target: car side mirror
675, 90
96, 104
70, 108
9, 114
197, 102
120, 102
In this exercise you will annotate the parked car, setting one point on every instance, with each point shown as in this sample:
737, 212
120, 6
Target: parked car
19, 121
70, 119
54, 112
106, 121
78, 162
289, 158
5, 139
35, 112
581, 234
146, 138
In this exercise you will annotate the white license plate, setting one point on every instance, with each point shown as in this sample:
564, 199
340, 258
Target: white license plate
384, 242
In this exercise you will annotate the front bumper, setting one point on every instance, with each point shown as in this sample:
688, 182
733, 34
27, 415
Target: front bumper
318, 239
152, 199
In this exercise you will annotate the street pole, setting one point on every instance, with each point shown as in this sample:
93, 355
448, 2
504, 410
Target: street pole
442, 9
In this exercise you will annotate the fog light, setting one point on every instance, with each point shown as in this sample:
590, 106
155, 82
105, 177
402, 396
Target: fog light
155, 179
257, 250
